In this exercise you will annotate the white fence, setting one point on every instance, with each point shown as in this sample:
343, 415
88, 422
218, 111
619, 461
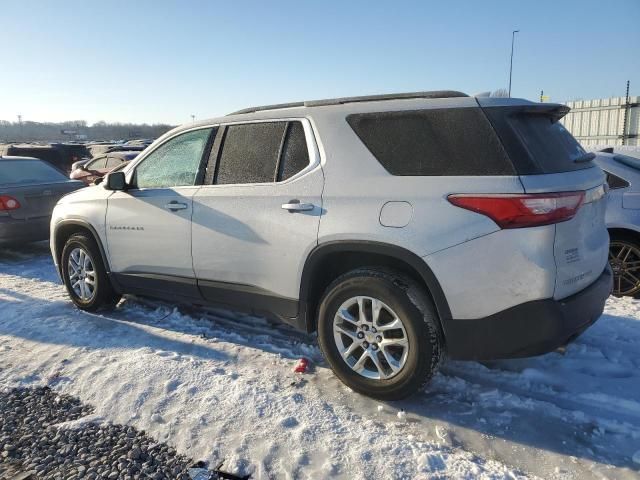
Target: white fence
601, 121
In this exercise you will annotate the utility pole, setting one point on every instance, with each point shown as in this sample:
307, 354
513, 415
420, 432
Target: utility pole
626, 116
20, 123
513, 39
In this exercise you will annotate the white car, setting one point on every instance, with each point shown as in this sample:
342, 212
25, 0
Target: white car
400, 227
623, 220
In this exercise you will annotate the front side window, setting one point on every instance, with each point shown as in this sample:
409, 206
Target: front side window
174, 163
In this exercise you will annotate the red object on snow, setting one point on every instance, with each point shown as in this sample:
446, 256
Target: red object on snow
302, 366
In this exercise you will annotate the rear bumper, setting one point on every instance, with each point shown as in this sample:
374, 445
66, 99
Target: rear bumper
529, 329
19, 231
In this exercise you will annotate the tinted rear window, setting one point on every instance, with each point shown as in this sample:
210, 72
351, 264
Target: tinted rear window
28, 171
435, 142
536, 142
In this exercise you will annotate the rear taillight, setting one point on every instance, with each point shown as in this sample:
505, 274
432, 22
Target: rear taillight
519, 211
8, 203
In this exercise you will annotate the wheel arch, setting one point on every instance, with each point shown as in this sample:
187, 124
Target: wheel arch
330, 260
65, 228
618, 231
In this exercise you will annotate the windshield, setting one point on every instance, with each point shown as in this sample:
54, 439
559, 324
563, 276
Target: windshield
28, 171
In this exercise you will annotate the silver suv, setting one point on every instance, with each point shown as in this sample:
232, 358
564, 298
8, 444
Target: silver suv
401, 228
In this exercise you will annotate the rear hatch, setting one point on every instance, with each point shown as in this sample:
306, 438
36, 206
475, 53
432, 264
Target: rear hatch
549, 159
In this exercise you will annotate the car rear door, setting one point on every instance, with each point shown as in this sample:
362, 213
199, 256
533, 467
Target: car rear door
256, 218
149, 224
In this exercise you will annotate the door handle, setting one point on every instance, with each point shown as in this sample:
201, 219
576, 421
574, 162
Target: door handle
295, 206
175, 206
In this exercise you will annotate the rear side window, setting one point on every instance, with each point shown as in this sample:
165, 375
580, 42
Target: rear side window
28, 171
113, 162
96, 164
250, 153
615, 181
536, 141
435, 142
262, 152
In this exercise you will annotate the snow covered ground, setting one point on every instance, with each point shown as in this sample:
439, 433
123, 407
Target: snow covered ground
220, 386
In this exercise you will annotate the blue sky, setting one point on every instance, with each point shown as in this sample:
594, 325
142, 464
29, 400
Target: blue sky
161, 61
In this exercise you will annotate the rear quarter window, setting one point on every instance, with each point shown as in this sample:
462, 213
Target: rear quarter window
434, 142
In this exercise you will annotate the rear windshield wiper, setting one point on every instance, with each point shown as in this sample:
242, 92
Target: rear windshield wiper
587, 157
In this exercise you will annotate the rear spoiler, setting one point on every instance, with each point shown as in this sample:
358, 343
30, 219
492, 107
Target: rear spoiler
553, 110
515, 106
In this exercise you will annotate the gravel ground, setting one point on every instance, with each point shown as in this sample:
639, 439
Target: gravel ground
33, 439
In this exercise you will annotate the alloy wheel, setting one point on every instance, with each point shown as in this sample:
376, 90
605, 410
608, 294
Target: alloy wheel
624, 259
82, 274
370, 338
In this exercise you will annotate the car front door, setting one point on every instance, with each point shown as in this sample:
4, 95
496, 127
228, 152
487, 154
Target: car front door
149, 224
256, 218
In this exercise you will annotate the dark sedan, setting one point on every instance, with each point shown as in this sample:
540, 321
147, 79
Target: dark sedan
29, 189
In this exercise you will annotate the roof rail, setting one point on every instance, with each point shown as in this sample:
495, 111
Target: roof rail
366, 98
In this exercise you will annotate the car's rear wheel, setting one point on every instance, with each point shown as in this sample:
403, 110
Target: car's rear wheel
624, 258
84, 274
378, 330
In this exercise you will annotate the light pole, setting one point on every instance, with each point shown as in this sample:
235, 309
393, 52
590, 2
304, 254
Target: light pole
513, 39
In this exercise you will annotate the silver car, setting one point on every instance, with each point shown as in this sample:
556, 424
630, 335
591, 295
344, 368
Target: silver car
401, 228
29, 189
623, 220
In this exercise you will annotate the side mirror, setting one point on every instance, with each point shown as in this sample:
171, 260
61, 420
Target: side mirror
115, 181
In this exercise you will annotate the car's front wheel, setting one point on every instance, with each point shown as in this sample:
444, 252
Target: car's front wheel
379, 332
84, 274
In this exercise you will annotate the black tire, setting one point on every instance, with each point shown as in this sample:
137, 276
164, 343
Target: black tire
104, 295
621, 286
411, 304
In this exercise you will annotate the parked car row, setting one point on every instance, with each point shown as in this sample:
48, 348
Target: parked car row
66, 157
59, 155
397, 227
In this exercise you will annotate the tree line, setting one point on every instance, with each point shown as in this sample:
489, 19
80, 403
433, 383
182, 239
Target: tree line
27, 131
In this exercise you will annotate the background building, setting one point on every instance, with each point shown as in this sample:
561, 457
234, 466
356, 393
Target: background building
602, 122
